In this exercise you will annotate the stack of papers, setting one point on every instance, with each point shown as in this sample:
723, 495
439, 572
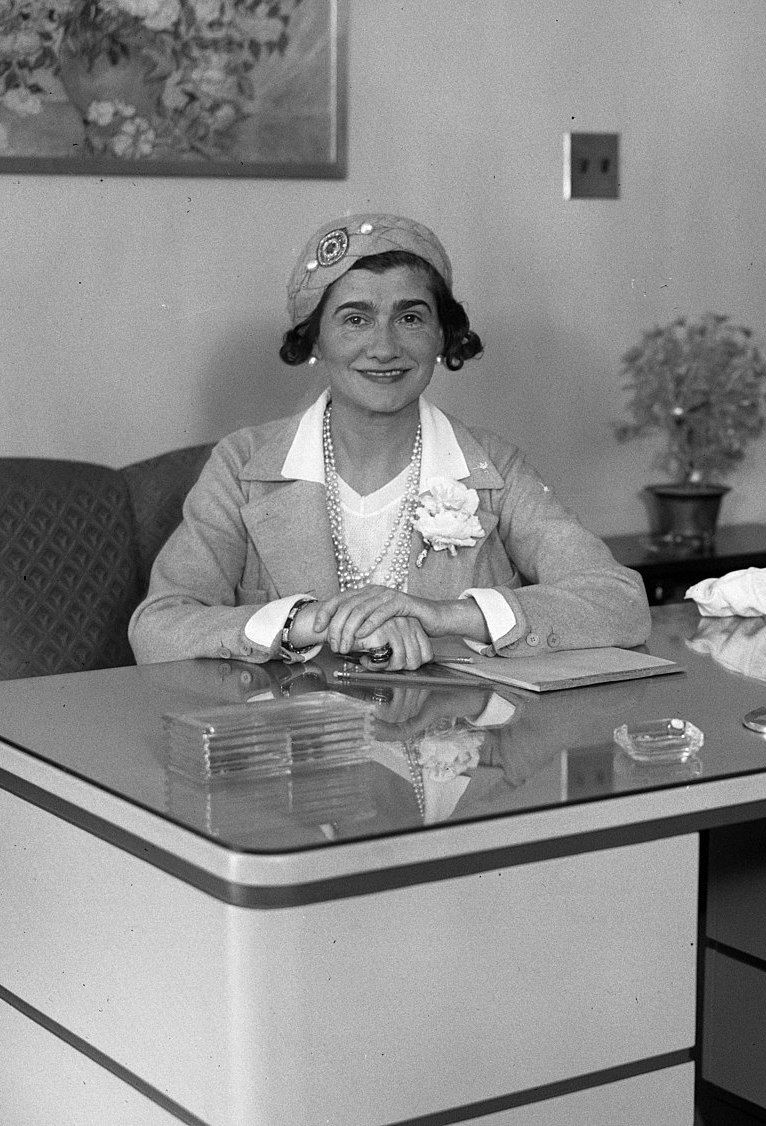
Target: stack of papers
269, 738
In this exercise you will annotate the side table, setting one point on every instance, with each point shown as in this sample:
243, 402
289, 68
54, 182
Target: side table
668, 570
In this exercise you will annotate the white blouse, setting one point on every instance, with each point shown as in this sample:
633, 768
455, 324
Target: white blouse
368, 521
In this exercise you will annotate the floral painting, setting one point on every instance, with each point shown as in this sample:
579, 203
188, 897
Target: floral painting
187, 87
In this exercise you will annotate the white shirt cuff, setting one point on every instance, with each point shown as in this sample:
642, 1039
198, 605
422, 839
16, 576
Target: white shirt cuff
498, 615
264, 627
497, 713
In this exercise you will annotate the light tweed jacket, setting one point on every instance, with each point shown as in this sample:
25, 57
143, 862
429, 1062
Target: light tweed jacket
249, 535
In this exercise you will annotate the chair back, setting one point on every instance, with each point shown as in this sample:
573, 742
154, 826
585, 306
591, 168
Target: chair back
68, 571
77, 543
158, 488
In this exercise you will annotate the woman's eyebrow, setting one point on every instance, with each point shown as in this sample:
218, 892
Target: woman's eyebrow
408, 302
369, 307
364, 306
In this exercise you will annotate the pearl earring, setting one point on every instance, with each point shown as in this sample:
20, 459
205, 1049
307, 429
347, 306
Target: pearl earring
440, 359
312, 360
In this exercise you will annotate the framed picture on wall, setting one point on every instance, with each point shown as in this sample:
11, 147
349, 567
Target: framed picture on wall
173, 87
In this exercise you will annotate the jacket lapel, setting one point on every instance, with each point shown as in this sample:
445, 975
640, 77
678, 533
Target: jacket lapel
289, 524
443, 575
287, 519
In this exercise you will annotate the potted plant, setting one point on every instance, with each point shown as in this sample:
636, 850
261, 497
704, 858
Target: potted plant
701, 383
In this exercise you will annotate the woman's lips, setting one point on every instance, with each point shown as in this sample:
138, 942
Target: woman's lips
390, 375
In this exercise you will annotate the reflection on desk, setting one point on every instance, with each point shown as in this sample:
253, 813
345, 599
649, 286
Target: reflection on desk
437, 755
739, 644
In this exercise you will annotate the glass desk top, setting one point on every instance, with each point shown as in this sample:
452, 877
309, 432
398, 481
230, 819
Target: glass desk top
438, 754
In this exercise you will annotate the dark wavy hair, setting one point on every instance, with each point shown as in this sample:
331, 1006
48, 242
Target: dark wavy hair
461, 343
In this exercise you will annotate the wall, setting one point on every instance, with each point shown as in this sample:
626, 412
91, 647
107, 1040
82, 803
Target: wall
142, 314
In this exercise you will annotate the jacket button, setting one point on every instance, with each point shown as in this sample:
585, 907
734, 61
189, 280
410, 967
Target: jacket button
224, 652
553, 640
533, 639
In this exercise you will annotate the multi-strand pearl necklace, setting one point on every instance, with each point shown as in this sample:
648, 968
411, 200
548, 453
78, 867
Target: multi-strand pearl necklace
416, 777
350, 576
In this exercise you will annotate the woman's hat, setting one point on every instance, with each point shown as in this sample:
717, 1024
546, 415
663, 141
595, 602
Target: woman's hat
336, 246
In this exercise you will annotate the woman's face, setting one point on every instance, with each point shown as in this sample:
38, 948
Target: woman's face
379, 337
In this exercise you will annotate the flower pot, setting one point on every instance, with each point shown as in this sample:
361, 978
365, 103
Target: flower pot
686, 515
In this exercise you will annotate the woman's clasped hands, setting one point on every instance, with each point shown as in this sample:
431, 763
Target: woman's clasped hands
373, 616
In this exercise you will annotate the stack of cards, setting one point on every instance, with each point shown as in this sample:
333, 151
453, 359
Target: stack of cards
269, 738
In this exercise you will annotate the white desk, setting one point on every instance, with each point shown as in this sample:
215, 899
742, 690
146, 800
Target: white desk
309, 952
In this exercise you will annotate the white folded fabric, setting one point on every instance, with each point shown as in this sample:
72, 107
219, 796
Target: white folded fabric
739, 594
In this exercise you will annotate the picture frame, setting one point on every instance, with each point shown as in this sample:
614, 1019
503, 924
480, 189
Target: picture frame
251, 88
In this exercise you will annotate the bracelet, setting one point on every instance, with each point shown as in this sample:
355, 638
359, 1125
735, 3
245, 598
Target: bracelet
288, 651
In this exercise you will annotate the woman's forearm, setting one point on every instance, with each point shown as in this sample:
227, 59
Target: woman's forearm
459, 616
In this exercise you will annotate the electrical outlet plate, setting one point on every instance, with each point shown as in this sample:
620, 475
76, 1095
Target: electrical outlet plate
591, 165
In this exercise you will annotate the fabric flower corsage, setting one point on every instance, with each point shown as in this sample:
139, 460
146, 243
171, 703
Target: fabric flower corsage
446, 518
443, 755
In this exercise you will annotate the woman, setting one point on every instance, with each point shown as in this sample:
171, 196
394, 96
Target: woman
373, 521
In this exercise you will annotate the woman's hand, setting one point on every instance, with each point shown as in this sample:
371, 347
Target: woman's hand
410, 644
403, 705
354, 616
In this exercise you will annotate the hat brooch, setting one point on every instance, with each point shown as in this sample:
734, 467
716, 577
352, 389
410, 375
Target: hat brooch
332, 247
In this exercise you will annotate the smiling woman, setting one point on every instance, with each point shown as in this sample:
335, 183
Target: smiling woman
373, 520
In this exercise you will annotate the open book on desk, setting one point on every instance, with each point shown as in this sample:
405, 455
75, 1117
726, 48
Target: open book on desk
566, 668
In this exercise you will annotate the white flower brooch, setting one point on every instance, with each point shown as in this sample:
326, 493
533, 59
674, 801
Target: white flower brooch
446, 518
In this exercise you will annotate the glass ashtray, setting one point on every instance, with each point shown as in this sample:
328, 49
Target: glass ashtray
660, 740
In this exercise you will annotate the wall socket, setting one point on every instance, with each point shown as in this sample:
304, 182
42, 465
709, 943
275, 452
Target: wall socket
591, 165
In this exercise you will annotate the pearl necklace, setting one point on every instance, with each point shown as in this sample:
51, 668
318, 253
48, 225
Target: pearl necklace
350, 576
416, 777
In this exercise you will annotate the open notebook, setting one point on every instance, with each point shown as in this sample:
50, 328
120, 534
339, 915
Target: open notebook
566, 669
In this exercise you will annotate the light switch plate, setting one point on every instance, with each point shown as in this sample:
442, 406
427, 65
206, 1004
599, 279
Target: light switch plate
591, 165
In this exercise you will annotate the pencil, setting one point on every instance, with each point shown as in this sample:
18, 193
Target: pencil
404, 677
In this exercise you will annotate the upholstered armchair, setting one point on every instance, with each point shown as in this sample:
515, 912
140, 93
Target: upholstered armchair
77, 543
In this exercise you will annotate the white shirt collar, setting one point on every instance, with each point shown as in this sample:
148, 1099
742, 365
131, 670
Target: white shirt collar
441, 457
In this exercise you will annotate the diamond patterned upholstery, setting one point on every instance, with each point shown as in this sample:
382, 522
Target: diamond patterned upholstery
158, 487
77, 542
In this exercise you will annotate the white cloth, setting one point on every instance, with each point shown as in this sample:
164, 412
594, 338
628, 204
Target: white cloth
740, 593
441, 457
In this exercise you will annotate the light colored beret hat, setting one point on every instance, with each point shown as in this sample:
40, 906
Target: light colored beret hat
337, 245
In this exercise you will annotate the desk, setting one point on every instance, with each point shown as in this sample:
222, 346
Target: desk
668, 571
313, 951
